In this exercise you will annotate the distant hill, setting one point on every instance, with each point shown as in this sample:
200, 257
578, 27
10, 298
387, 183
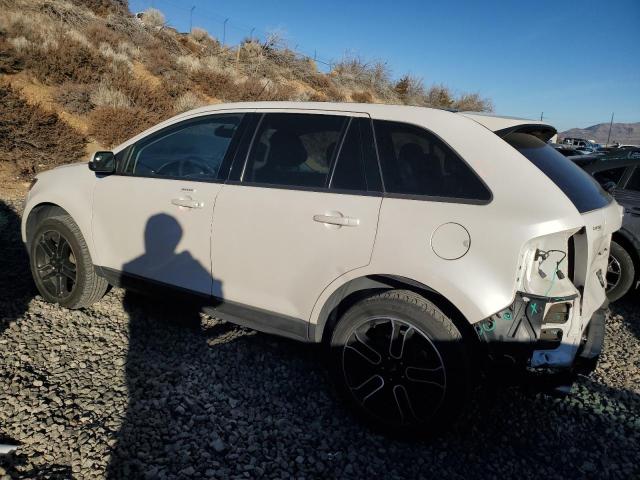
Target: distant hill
626, 133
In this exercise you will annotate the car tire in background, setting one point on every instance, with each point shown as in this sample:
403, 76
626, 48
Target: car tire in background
620, 272
61, 264
401, 364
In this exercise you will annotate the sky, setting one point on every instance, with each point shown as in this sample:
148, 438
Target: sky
575, 62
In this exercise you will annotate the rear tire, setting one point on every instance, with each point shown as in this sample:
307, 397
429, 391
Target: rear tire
401, 364
61, 264
620, 272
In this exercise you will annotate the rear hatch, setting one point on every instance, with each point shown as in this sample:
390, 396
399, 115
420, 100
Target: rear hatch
601, 215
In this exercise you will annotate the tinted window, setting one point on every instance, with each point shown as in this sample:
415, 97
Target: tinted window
634, 181
582, 190
294, 149
607, 176
192, 150
349, 173
416, 162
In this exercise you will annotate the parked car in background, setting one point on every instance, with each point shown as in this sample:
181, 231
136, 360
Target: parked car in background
415, 243
618, 171
568, 150
580, 144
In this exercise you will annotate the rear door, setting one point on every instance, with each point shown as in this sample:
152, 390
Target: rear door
302, 210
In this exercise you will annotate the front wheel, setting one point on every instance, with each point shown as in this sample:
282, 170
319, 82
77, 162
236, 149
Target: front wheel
620, 272
401, 363
61, 264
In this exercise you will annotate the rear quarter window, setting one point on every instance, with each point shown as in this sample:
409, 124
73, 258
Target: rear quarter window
416, 162
583, 191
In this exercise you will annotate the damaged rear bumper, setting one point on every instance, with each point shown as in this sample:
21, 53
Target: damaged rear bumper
542, 342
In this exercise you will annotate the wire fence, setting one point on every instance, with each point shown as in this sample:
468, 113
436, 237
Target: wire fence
185, 16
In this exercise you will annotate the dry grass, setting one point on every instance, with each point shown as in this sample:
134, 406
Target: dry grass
106, 96
187, 101
67, 61
153, 18
362, 97
32, 138
74, 97
112, 126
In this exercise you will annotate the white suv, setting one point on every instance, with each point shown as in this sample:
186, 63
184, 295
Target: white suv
417, 244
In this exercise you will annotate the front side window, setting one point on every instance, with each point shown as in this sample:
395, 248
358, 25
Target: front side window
192, 150
293, 149
416, 162
583, 191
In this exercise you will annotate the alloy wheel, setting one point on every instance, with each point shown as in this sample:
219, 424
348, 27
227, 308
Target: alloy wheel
55, 264
394, 371
614, 273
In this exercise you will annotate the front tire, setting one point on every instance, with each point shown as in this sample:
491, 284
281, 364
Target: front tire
620, 272
401, 363
61, 264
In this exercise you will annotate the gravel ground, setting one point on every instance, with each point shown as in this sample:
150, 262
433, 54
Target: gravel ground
127, 389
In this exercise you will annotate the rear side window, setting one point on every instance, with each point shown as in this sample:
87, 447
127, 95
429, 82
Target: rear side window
294, 149
585, 193
416, 162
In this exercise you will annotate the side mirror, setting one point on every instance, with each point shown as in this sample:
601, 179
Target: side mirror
609, 186
103, 162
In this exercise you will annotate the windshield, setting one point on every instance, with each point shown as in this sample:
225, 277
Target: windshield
582, 190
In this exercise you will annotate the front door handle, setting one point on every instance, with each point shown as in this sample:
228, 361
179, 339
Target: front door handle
187, 202
337, 219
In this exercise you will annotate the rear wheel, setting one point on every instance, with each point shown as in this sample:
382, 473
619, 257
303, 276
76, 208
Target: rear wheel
61, 264
401, 363
620, 272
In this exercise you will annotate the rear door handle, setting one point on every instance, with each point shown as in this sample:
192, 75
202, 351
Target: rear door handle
187, 202
337, 219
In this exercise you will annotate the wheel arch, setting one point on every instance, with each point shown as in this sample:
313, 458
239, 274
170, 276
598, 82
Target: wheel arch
359, 288
38, 213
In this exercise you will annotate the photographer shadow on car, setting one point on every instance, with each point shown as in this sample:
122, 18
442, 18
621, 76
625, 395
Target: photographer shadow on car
165, 337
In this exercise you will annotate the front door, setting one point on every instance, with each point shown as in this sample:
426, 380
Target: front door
153, 218
299, 217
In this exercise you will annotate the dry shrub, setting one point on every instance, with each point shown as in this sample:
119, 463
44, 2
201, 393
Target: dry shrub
158, 60
199, 34
32, 138
11, 60
98, 33
356, 73
118, 60
104, 7
362, 97
187, 101
473, 102
410, 90
156, 100
70, 61
153, 17
214, 84
75, 98
106, 96
439, 96
253, 89
112, 126
68, 13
